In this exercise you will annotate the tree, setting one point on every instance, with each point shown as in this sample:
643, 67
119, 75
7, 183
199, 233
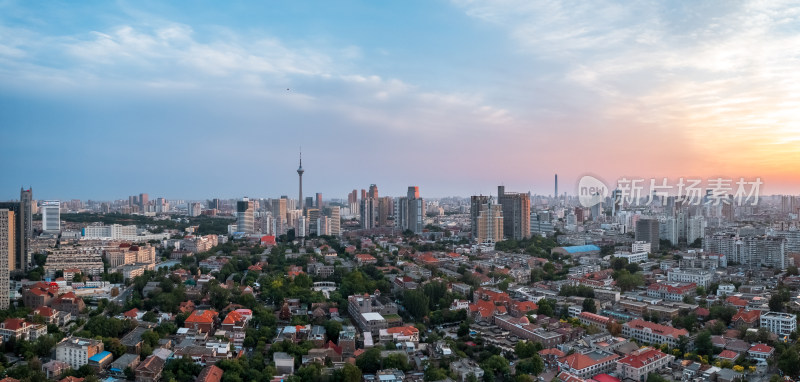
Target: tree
370, 360
416, 303
533, 365
703, 343
495, 365
589, 306
332, 329
350, 373
546, 308
150, 316
524, 349
463, 329
396, 361
435, 374
653, 377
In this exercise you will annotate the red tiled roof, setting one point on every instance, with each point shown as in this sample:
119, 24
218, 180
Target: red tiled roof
201, 317
210, 373
761, 348
403, 330
14, 323
131, 313
594, 317
552, 351
728, 354
579, 361
642, 357
233, 318
658, 329
44, 311
749, 316
734, 300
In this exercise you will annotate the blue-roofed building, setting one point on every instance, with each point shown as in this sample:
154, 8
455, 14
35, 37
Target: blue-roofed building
577, 250
101, 360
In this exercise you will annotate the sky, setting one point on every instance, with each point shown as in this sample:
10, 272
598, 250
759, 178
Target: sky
202, 99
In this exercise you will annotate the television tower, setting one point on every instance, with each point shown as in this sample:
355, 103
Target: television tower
300, 172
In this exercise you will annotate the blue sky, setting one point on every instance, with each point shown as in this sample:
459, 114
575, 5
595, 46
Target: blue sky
189, 100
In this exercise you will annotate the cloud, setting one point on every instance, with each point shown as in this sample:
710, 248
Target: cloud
721, 76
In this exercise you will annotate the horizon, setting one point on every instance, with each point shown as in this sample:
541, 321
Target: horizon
455, 97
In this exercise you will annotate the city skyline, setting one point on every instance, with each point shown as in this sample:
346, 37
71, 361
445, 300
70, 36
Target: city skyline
102, 99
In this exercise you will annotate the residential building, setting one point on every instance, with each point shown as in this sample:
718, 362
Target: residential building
592, 319
201, 320
464, 368
647, 231
368, 311
746, 318
150, 369
779, 323
245, 222
652, 333
672, 291
635, 257
51, 216
516, 213
637, 365
588, 364
7, 246
700, 277
76, 351
489, 222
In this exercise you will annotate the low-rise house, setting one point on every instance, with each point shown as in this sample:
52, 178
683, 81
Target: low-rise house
637, 365
652, 333
19, 329
150, 369
464, 367
728, 355
761, 351
69, 302
210, 373
400, 334
100, 360
592, 319
201, 320
585, 365
125, 361
746, 318
54, 368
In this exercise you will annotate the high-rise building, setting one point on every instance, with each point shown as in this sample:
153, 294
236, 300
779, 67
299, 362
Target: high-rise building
695, 229
516, 213
410, 211
368, 209
489, 223
555, 193
647, 230
319, 200
7, 249
313, 215
373, 191
300, 172
245, 221
23, 212
416, 210
51, 216
336, 221
668, 230
385, 210
309, 202
144, 201
279, 209
476, 205
750, 251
